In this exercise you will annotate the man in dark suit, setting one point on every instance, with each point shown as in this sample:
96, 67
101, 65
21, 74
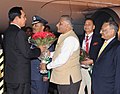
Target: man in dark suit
106, 70
39, 83
17, 54
91, 43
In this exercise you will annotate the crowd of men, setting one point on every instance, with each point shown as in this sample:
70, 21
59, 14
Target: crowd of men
98, 73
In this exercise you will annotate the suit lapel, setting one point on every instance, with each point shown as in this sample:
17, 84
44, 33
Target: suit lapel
94, 39
91, 45
81, 40
109, 46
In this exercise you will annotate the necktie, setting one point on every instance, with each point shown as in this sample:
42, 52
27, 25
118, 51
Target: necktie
102, 48
87, 44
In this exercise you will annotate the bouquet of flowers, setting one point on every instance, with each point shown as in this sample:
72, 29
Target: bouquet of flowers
44, 38
83, 55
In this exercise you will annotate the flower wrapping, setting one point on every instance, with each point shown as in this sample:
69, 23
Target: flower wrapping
44, 57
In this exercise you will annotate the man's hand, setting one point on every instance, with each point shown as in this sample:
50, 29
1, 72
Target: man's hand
45, 78
43, 48
42, 66
87, 61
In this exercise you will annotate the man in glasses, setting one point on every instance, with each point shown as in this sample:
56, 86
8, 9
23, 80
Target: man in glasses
106, 70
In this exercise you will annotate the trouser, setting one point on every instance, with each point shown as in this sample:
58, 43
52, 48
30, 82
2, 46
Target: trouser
18, 88
86, 81
39, 87
73, 88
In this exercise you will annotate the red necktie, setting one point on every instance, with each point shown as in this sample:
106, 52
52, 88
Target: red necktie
87, 44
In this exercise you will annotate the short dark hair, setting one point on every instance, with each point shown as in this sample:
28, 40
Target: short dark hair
90, 19
46, 26
28, 28
13, 12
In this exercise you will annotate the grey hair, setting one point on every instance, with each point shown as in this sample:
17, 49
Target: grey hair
113, 25
68, 19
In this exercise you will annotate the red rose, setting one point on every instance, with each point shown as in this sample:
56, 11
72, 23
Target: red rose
43, 38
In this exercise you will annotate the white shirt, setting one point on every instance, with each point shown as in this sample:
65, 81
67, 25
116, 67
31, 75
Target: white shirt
89, 40
70, 45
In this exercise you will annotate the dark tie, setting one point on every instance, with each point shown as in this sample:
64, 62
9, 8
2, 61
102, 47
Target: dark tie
87, 44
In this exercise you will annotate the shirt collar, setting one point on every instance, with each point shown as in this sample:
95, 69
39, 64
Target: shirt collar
108, 41
16, 25
89, 35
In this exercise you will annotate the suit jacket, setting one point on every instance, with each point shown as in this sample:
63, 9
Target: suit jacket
17, 55
95, 45
106, 70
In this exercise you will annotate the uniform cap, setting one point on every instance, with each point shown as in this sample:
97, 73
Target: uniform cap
37, 19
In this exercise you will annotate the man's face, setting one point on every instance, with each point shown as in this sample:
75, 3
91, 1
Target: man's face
37, 27
107, 32
62, 26
89, 26
22, 19
29, 32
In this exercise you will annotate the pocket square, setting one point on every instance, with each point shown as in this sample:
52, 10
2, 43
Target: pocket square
95, 43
